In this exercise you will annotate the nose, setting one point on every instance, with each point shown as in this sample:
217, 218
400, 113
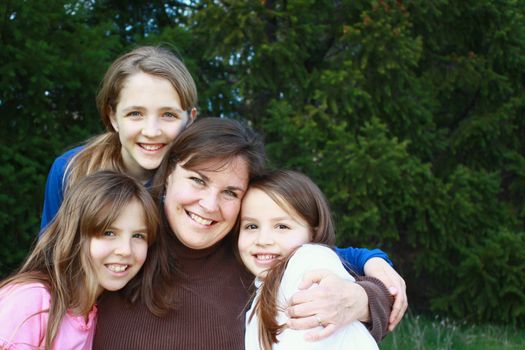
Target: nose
210, 202
265, 237
151, 127
123, 246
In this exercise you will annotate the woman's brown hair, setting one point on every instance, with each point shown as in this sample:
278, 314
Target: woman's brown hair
207, 139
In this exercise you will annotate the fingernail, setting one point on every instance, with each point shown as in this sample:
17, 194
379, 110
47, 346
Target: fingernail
392, 290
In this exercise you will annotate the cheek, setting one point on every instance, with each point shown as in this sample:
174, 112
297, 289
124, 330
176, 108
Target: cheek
97, 249
231, 210
141, 252
172, 131
243, 243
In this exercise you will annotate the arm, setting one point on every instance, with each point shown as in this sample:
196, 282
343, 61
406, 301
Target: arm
379, 269
379, 306
54, 193
21, 316
358, 257
375, 263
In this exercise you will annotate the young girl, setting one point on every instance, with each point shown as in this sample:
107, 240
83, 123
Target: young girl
98, 241
281, 212
147, 98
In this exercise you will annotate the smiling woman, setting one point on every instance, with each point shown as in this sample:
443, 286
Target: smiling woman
200, 186
202, 204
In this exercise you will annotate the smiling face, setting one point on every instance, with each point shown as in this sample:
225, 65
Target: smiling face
119, 252
202, 204
268, 232
148, 117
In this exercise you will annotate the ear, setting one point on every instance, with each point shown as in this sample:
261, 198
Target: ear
113, 119
192, 115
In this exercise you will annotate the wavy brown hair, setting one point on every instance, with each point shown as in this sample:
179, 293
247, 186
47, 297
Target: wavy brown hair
61, 258
298, 195
207, 139
103, 152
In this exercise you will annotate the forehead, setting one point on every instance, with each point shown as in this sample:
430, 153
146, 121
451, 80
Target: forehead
256, 200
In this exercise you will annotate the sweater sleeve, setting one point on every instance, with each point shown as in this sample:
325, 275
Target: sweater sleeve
380, 305
357, 257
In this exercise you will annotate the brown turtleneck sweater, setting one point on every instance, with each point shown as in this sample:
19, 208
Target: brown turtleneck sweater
211, 310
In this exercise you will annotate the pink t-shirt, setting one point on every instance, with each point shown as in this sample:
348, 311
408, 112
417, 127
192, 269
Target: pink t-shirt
23, 326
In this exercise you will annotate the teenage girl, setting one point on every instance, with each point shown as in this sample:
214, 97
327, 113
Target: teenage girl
281, 213
98, 241
147, 97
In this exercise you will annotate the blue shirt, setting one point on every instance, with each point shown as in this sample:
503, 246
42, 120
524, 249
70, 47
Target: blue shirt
54, 194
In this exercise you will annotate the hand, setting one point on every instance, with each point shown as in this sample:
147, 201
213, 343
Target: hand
328, 300
380, 269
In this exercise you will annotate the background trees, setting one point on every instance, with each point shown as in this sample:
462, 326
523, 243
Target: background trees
408, 114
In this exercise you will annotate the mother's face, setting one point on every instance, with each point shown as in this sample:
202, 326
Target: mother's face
202, 204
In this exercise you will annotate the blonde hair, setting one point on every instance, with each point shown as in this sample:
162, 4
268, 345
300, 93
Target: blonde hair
61, 260
103, 152
297, 194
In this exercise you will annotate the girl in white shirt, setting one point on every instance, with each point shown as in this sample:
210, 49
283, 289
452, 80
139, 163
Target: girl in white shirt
280, 214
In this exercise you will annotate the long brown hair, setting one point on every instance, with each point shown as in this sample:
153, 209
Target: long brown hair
61, 260
206, 139
299, 195
103, 152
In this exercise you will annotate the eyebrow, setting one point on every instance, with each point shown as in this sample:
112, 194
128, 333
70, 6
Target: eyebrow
283, 218
132, 108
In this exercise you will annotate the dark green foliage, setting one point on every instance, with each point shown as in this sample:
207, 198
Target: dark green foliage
408, 114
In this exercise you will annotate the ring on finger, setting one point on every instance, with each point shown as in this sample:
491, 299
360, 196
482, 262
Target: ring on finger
319, 322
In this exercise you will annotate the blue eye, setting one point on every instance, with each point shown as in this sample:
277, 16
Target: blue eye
134, 114
109, 233
171, 115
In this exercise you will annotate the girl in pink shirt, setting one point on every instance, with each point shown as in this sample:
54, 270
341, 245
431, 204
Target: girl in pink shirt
98, 241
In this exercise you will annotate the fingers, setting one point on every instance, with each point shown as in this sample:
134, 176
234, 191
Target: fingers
312, 277
303, 296
312, 322
399, 308
316, 335
303, 323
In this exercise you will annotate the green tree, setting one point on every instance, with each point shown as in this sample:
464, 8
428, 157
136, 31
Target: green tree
408, 114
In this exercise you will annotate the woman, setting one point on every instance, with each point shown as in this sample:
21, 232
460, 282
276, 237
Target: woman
205, 289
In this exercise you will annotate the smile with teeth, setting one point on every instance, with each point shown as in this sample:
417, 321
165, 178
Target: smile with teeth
265, 257
200, 220
117, 267
151, 147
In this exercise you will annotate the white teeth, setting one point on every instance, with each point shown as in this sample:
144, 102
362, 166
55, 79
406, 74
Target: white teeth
266, 257
117, 268
200, 220
150, 147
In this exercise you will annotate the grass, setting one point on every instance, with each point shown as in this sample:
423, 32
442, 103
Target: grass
422, 333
